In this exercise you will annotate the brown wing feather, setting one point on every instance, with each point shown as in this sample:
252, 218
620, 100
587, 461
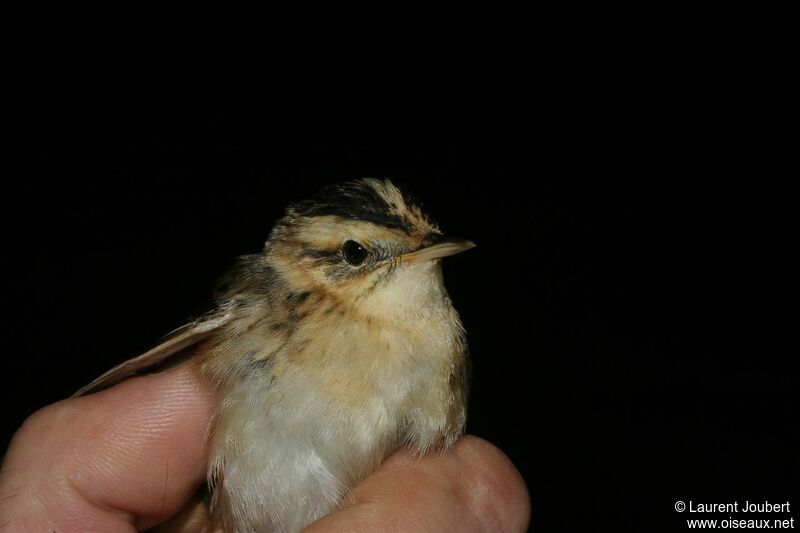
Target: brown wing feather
177, 341
245, 278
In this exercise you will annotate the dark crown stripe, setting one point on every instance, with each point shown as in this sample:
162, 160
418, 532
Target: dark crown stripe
355, 200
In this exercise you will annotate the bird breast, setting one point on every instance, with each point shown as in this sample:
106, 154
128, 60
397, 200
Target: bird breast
343, 391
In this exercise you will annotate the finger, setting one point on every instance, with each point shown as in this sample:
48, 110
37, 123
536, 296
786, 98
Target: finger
121, 459
471, 487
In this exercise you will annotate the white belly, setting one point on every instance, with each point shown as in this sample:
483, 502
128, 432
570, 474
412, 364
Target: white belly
287, 456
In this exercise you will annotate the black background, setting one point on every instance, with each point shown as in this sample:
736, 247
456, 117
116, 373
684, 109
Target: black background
629, 299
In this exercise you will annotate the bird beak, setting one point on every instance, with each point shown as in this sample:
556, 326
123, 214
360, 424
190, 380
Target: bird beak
437, 248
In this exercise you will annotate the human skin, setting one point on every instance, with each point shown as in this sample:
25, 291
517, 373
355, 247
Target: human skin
132, 456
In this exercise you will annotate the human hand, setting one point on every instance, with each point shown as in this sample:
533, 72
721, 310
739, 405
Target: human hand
132, 456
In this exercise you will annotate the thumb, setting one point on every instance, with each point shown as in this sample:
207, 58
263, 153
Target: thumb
118, 460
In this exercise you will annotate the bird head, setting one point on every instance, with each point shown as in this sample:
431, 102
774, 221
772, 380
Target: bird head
364, 245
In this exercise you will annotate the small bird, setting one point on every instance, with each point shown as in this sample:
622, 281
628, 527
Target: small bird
330, 349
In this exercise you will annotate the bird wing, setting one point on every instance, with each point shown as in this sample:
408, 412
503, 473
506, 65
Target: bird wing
172, 345
243, 283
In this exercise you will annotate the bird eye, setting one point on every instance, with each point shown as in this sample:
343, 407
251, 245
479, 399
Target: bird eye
353, 253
